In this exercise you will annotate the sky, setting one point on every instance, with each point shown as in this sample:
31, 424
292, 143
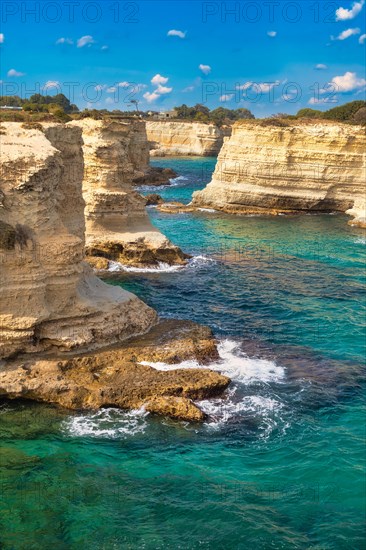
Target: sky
268, 56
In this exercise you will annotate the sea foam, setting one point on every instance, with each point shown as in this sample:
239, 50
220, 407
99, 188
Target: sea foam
239, 367
162, 267
107, 423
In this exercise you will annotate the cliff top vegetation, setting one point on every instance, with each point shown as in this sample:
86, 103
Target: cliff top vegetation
45, 108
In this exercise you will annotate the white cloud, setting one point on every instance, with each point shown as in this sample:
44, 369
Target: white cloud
206, 69
320, 67
151, 97
13, 72
174, 32
362, 39
99, 87
110, 100
135, 87
347, 82
226, 97
346, 34
103, 48
272, 34
244, 86
159, 79
51, 84
2, 38
85, 41
63, 40
111, 90
188, 89
317, 100
266, 86
162, 90
342, 14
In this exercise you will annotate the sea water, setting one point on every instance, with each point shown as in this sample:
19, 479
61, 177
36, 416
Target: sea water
280, 462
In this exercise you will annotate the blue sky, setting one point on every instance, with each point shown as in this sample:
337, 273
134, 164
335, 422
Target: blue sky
268, 56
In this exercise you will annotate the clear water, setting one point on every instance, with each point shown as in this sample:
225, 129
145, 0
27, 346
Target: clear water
280, 463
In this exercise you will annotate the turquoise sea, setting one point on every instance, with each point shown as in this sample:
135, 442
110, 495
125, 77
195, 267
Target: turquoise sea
281, 462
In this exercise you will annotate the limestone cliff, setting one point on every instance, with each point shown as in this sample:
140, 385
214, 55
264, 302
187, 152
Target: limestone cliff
49, 298
185, 138
117, 225
287, 167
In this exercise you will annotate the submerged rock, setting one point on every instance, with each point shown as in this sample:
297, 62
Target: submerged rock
116, 377
176, 407
153, 199
156, 176
138, 253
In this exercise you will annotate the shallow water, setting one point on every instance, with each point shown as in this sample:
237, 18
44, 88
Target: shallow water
279, 464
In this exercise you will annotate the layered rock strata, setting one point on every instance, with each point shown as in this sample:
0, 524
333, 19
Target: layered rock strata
56, 315
117, 225
308, 166
49, 298
185, 138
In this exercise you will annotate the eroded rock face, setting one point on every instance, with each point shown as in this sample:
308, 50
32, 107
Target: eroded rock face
117, 377
185, 138
49, 297
116, 153
303, 166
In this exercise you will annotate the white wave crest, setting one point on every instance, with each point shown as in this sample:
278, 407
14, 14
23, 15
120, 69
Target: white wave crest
237, 366
210, 210
162, 267
221, 411
178, 180
107, 423
360, 240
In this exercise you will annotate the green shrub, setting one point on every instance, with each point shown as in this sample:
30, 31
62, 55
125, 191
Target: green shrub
33, 126
279, 122
344, 113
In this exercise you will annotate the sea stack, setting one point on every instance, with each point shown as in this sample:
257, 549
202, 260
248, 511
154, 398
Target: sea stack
118, 228
50, 298
274, 166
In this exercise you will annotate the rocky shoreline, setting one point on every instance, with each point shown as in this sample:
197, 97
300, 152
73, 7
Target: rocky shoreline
67, 338
117, 377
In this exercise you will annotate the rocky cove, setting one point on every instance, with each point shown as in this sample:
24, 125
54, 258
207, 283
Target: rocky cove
68, 195
109, 415
53, 307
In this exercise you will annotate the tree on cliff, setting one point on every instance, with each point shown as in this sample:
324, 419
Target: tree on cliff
219, 116
344, 113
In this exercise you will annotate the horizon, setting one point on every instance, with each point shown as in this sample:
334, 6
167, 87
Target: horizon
267, 57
